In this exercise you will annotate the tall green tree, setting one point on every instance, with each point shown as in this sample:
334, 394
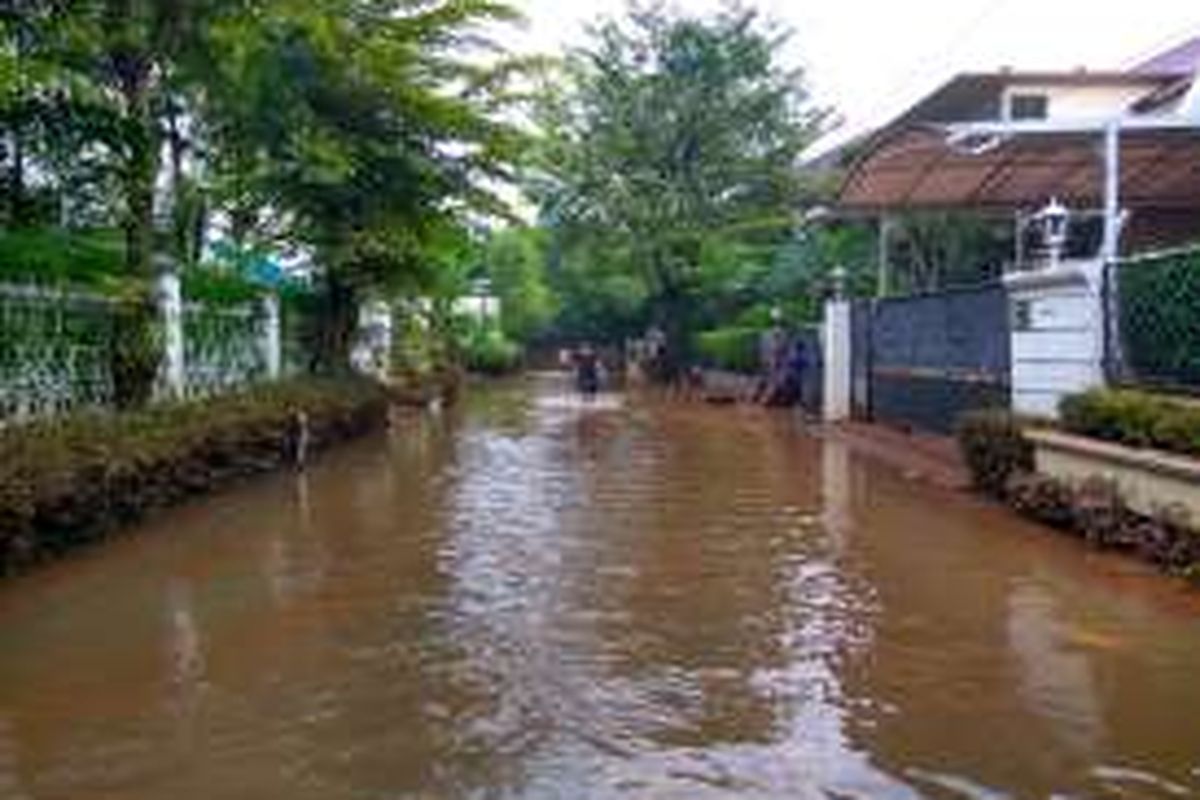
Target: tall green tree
129, 60
515, 261
669, 132
365, 126
933, 250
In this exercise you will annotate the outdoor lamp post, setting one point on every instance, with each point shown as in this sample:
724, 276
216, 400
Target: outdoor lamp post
838, 280
1053, 221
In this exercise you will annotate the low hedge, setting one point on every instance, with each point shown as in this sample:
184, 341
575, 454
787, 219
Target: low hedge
73, 480
1137, 419
487, 351
994, 448
1096, 512
735, 349
1000, 460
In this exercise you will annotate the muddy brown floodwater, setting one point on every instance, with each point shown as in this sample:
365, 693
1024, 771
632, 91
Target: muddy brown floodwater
535, 598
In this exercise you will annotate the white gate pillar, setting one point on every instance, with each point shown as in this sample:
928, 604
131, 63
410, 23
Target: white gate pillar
372, 353
837, 343
272, 336
1059, 314
1058, 321
170, 304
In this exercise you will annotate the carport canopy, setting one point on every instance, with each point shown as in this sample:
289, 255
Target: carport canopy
1141, 163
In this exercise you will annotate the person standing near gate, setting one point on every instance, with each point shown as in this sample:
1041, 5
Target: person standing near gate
587, 371
773, 353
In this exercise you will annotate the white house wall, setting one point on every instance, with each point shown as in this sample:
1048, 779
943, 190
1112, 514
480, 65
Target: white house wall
1082, 102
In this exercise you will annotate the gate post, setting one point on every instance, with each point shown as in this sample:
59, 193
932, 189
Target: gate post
1058, 334
170, 303
272, 336
837, 347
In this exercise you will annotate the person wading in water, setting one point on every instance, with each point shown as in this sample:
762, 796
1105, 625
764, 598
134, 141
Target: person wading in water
587, 371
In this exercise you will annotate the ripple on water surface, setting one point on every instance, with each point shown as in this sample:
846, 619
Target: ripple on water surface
541, 596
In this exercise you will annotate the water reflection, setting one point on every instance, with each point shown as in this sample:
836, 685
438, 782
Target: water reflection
536, 597
1056, 677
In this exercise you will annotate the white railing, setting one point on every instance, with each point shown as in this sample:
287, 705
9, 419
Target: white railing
57, 350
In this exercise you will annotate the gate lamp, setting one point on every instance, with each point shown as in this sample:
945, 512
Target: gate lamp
1053, 221
838, 280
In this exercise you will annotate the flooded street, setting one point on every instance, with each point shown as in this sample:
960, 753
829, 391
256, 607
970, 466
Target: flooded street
534, 598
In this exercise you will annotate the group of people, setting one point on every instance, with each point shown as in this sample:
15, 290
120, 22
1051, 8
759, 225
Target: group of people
784, 361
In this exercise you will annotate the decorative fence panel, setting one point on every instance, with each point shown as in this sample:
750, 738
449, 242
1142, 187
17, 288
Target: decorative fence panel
1153, 310
60, 351
223, 348
934, 356
55, 352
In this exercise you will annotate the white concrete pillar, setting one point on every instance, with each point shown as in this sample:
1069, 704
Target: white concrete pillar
1057, 332
170, 303
1111, 246
272, 336
387, 340
372, 353
837, 344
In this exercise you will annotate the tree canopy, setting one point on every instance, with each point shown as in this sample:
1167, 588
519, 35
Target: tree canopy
672, 147
353, 131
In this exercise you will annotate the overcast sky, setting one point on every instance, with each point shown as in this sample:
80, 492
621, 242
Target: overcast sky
873, 58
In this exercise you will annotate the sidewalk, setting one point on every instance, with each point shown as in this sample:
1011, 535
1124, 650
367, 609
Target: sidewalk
923, 456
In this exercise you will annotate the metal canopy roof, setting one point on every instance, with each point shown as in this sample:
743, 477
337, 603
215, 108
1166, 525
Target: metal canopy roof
1015, 166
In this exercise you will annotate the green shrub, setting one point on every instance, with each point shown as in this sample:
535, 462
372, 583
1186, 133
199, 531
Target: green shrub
1000, 460
61, 257
218, 284
1042, 498
71, 480
732, 348
1096, 512
995, 449
489, 352
1137, 419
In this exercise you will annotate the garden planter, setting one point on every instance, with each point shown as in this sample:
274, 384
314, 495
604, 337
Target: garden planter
1149, 481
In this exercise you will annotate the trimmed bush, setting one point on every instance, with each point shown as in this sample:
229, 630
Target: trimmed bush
1043, 499
488, 351
1000, 460
994, 448
1095, 511
58, 257
73, 480
735, 349
1137, 419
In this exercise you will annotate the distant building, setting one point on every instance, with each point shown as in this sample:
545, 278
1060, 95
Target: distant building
1010, 141
479, 304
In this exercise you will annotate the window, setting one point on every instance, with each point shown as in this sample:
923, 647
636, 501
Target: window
1028, 106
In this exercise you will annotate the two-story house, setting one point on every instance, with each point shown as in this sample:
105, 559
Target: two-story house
1124, 142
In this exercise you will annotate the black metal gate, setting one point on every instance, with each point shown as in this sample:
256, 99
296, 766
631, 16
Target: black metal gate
861, 312
929, 358
812, 376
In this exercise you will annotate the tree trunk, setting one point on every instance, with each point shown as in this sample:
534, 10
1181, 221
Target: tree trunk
336, 327
182, 205
141, 171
